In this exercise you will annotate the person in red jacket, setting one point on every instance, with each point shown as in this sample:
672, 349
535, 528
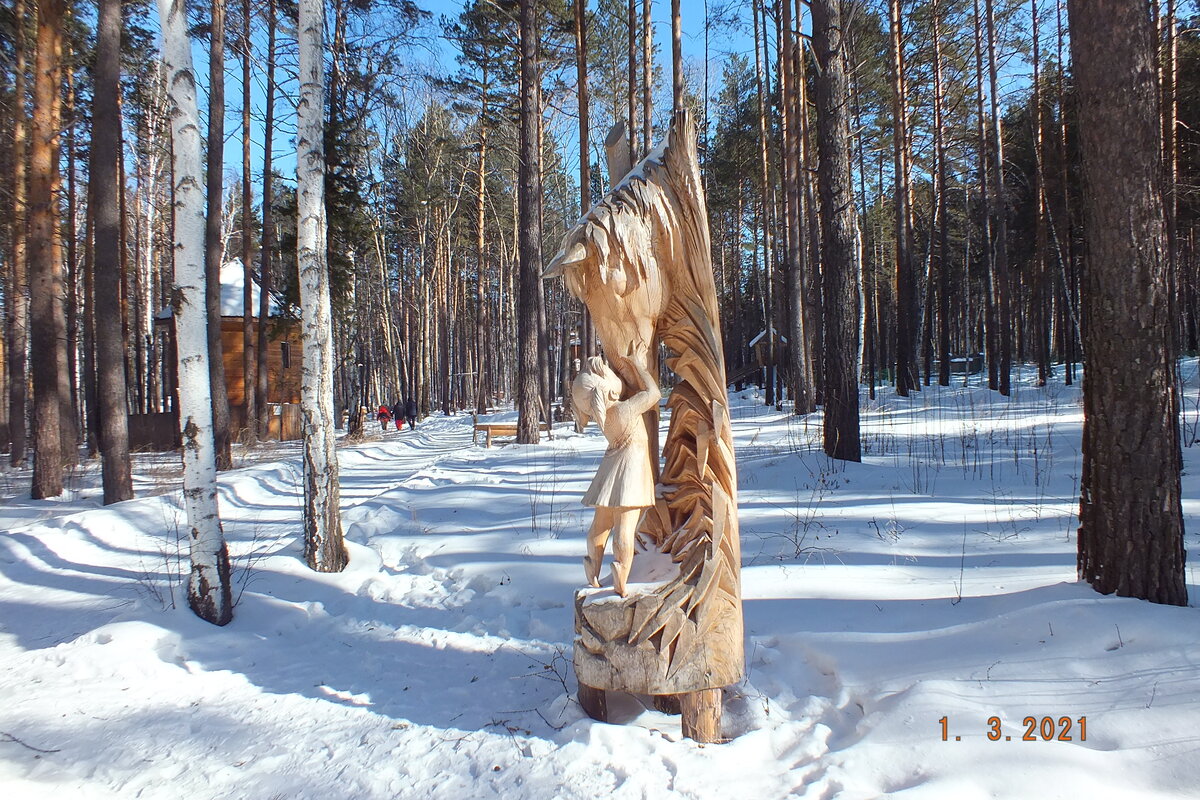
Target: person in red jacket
384, 416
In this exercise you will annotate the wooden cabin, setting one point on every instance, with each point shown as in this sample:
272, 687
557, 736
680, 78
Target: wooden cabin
160, 431
758, 345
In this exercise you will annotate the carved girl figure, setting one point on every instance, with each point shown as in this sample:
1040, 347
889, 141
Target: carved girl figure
624, 482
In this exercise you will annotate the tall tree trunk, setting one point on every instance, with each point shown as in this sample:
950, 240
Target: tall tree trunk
45, 262
91, 391
18, 333
1064, 230
676, 57
481, 353
632, 17
992, 338
212, 240
267, 250
942, 213
999, 212
587, 332
208, 588
1130, 516
840, 280
528, 370
760, 59
801, 318
6, 190
69, 375
647, 78
104, 185
324, 548
1170, 116
249, 365
1039, 297
906, 279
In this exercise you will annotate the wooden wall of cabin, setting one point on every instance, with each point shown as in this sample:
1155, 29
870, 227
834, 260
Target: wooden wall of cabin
283, 380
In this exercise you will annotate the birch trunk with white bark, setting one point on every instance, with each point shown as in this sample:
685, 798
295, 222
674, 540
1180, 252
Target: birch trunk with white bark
208, 588
324, 548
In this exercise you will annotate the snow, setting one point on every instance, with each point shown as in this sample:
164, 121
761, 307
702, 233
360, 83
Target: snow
936, 579
233, 283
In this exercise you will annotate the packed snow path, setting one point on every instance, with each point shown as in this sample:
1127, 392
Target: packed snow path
934, 580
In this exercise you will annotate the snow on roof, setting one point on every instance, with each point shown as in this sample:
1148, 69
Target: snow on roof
232, 283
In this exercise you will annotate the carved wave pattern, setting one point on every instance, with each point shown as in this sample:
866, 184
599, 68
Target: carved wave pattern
696, 521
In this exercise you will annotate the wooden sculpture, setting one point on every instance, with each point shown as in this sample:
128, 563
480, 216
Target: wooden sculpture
640, 260
624, 483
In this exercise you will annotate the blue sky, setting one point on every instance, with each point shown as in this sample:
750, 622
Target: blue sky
437, 55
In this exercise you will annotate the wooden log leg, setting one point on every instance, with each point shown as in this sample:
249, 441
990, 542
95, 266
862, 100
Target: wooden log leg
702, 715
594, 702
667, 703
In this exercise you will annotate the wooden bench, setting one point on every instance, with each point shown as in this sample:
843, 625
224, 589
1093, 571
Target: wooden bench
496, 429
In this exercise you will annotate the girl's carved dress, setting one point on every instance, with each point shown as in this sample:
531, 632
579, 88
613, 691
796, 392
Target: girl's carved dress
624, 478
624, 482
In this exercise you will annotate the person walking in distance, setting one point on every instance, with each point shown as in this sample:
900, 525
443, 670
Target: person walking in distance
410, 412
398, 414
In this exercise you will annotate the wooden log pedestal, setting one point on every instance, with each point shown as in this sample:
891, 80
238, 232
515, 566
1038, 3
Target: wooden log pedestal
646, 643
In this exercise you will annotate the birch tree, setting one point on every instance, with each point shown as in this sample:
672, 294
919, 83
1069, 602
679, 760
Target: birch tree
208, 587
324, 548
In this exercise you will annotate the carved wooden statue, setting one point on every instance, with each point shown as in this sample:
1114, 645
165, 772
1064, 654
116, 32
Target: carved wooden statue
624, 484
641, 262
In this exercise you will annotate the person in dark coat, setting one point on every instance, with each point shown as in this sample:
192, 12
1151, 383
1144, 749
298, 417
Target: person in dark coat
410, 412
398, 414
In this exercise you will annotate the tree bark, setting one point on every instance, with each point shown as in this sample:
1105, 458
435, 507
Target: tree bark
999, 208
45, 262
647, 78
906, 289
840, 280
677, 58
760, 58
212, 239
208, 587
529, 235
249, 360
267, 250
587, 329
632, 98
1130, 517
942, 213
18, 322
991, 336
104, 185
324, 547
801, 352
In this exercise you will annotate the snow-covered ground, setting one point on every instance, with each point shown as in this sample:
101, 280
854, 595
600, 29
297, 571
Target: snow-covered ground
935, 580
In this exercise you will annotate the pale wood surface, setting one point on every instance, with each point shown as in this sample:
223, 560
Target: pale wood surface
640, 260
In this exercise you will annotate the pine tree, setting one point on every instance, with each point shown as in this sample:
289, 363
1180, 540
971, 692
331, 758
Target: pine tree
1130, 515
